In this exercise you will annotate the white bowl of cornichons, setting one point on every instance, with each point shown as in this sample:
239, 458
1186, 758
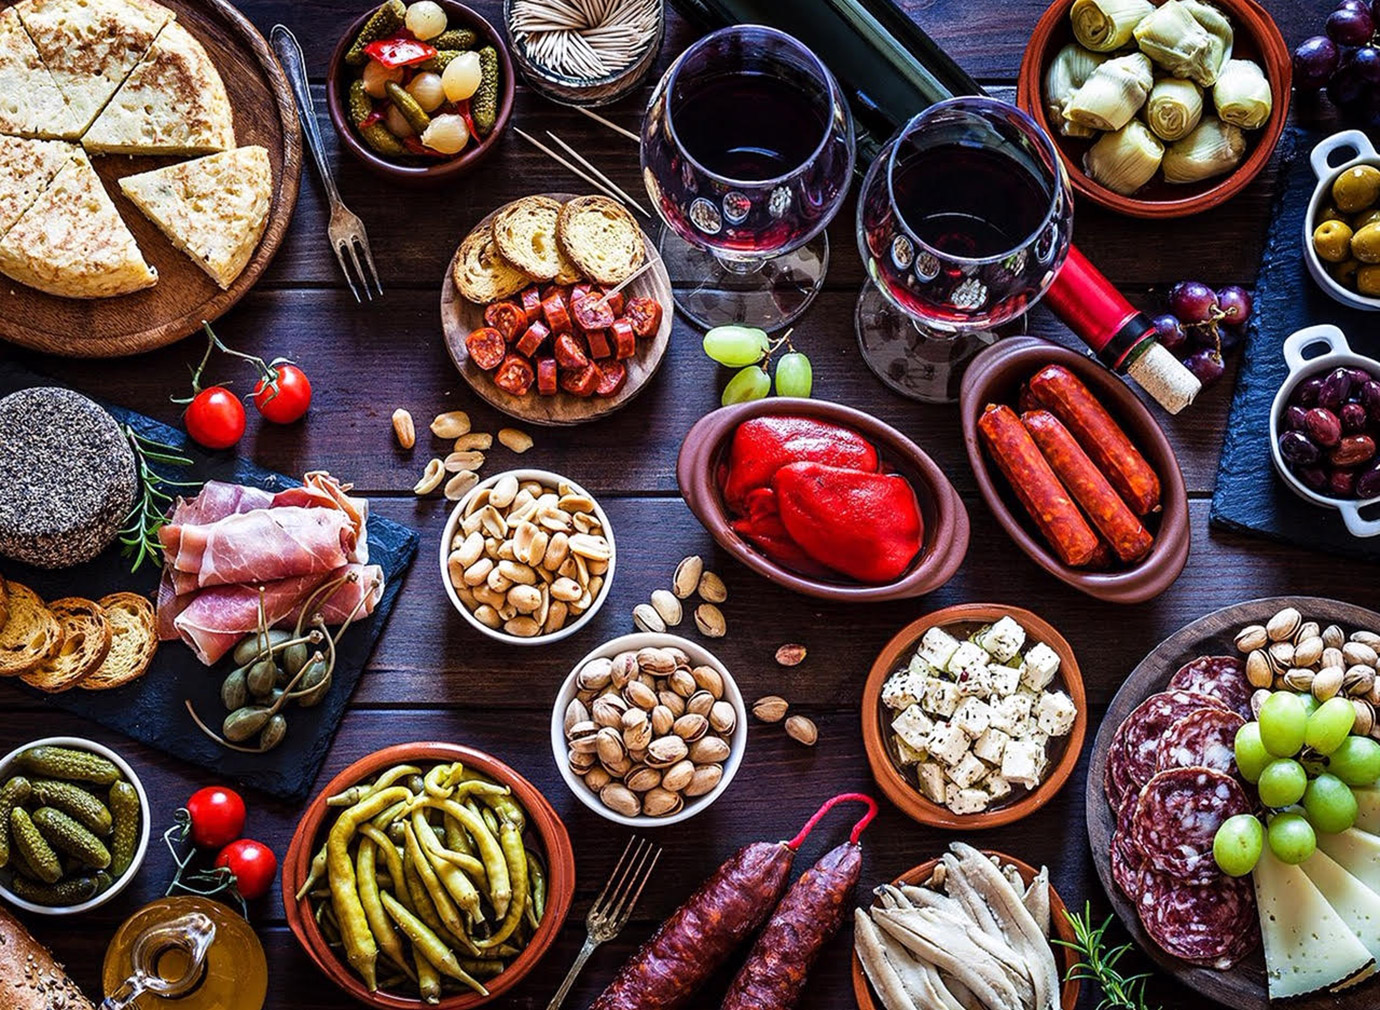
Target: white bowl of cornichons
527, 557
76, 825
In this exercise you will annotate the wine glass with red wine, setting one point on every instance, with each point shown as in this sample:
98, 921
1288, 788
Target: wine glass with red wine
963, 222
747, 153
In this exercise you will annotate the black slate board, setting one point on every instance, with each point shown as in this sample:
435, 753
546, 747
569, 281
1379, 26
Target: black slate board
1250, 497
152, 709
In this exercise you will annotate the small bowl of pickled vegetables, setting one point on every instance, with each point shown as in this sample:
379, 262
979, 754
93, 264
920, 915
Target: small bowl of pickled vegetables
1341, 233
1159, 109
420, 92
428, 872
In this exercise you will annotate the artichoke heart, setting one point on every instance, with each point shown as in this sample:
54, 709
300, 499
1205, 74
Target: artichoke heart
1174, 108
1067, 73
1242, 95
1213, 148
1174, 39
1112, 94
1126, 160
1221, 37
1104, 25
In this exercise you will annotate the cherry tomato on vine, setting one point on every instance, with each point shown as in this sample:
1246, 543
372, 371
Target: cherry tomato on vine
253, 864
217, 816
285, 399
215, 418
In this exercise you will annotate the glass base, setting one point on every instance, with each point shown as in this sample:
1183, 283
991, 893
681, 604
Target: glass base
769, 293
916, 362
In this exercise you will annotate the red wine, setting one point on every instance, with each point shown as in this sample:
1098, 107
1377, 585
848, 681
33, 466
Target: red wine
749, 126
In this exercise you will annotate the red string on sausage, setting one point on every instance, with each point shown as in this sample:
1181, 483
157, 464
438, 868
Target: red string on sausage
858, 828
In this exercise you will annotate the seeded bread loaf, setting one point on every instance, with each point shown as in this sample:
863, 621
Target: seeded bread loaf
30, 979
525, 231
601, 238
133, 641
31, 633
482, 275
85, 644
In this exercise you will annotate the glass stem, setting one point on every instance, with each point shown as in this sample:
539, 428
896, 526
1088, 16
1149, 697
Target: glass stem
738, 265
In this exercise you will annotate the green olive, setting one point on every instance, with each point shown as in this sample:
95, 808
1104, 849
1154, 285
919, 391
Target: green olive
1356, 189
1332, 241
1368, 281
1345, 273
1331, 213
1365, 244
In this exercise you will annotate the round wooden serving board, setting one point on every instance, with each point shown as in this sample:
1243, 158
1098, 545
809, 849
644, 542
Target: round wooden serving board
184, 295
460, 316
1242, 987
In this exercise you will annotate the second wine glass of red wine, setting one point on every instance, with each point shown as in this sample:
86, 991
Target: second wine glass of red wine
747, 153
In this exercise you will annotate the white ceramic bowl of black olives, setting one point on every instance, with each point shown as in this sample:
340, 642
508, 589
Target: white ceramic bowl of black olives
1325, 424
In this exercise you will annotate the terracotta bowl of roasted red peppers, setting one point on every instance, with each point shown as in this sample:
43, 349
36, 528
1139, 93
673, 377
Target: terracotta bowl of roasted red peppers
1076, 453
870, 515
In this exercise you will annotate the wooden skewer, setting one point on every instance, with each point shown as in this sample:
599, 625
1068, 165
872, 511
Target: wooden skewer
651, 262
556, 157
611, 125
604, 178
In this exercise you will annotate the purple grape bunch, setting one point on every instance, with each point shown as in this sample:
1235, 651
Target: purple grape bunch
1344, 61
1203, 324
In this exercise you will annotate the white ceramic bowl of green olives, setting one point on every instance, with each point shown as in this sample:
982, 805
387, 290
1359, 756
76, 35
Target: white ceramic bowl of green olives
1357, 150
10, 766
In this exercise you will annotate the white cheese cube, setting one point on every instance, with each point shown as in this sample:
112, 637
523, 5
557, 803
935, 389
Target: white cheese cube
997, 787
968, 771
948, 743
965, 801
1055, 713
973, 717
991, 745
936, 647
940, 697
968, 658
907, 754
932, 781
921, 668
902, 690
1003, 680
1003, 639
914, 727
974, 683
1040, 666
1021, 763
1010, 711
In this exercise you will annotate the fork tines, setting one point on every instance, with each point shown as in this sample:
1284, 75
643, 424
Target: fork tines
615, 904
364, 270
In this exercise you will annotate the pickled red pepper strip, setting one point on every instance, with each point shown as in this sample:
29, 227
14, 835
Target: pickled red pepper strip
399, 52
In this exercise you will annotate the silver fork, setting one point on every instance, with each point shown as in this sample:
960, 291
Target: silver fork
614, 906
346, 230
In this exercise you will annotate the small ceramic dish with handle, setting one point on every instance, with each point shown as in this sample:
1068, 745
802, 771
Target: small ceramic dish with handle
1358, 150
945, 520
996, 376
1337, 354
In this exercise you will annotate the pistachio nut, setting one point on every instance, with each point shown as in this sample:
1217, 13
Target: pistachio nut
802, 730
662, 720
618, 769
700, 703
1367, 638
1365, 717
709, 679
1284, 625
581, 762
637, 729
620, 799
1308, 629
1251, 637
709, 619
1299, 680
1333, 637
665, 603
653, 660
705, 779
642, 779
1332, 656
712, 588
1358, 680
1258, 698
678, 776
709, 750
647, 619
608, 709
575, 714
661, 802
1281, 656
682, 681
690, 727
622, 669
1258, 670
1327, 682
639, 694
596, 778
669, 699
687, 577
771, 708
665, 751
583, 737
1308, 651
722, 717
790, 654
1359, 654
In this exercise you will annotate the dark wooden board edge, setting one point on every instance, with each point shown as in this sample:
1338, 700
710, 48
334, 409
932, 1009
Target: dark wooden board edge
1243, 987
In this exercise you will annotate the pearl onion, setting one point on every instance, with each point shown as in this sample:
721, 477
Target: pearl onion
461, 77
376, 75
397, 123
446, 134
425, 19
426, 88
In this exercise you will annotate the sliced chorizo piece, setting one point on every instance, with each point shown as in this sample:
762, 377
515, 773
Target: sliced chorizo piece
613, 375
546, 376
531, 303
615, 303
581, 382
514, 375
592, 313
557, 315
531, 341
598, 341
579, 291
486, 347
645, 316
569, 354
624, 339
507, 317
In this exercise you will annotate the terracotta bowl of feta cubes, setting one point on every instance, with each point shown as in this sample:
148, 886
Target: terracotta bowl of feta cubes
974, 716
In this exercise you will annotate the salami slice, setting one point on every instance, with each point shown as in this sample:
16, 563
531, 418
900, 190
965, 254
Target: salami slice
1177, 816
1115, 781
1149, 721
1211, 924
1128, 863
1220, 677
1202, 739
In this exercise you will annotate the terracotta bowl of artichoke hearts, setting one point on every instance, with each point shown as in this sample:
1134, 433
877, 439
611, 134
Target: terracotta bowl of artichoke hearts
1050, 75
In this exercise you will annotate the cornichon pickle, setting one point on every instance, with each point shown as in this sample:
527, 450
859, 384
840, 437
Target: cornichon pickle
65, 763
72, 891
124, 805
361, 108
12, 793
37, 853
414, 114
64, 833
73, 800
454, 38
484, 103
440, 61
382, 23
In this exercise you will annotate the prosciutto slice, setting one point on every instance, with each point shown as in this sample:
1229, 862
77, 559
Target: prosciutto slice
261, 546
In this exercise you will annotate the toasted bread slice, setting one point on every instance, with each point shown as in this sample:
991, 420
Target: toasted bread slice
31, 634
133, 641
214, 209
4, 603
601, 238
85, 644
90, 46
27, 167
481, 272
31, 104
174, 102
72, 242
525, 231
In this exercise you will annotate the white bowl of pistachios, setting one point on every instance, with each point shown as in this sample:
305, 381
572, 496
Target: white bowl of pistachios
648, 730
527, 557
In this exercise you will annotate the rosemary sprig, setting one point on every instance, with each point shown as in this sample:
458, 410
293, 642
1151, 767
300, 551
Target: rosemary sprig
1098, 964
139, 537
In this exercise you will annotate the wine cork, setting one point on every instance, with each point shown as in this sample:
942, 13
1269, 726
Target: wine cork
1164, 377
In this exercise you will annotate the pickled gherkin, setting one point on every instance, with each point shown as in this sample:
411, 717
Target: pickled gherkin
64, 833
455, 39
124, 807
30, 843
72, 891
376, 135
484, 102
414, 114
385, 21
12, 793
65, 763
75, 801
441, 60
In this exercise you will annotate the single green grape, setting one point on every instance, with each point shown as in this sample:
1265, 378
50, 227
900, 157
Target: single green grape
1330, 803
1330, 725
1292, 838
1238, 844
1283, 722
736, 346
752, 383
1251, 755
794, 375
1356, 762
1282, 783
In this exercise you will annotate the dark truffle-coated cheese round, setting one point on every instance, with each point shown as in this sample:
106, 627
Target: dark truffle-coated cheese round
67, 481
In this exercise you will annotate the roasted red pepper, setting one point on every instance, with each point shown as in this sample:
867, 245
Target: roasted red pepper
399, 52
763, 445
762, 526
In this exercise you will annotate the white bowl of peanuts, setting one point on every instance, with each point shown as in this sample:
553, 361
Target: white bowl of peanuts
527, 557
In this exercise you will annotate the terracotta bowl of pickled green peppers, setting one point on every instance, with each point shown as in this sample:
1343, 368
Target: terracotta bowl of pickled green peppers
545, 833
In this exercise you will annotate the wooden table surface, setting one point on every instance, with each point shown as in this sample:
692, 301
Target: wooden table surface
433, 678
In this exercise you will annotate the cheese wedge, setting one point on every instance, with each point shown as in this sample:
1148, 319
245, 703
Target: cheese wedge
1308, 947
90, 46
1356, 904
31, 105
213, 209
174, 102
1368, 809
72, 243
26, 169
1358, 852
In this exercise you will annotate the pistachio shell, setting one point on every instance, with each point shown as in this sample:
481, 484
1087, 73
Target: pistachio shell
1333, 637
661, 803
705, 779
1283, 625
678, 776
1327, 682
709, 750
687, 577
1258, 670
709, 679
665, 604
771, 708
620, 799
1251, 637
802, 730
